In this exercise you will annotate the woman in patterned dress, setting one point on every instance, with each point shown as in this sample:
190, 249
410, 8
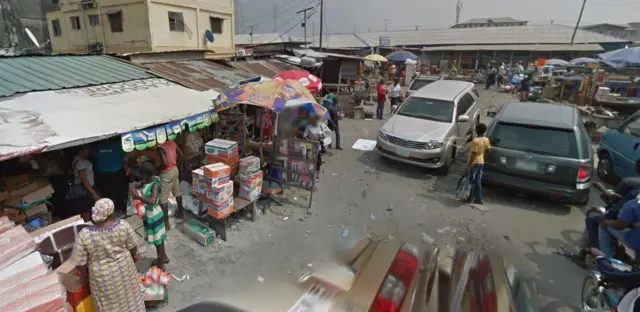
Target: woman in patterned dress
107, 252
153, 220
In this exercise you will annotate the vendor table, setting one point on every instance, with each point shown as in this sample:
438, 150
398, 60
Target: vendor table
221, 225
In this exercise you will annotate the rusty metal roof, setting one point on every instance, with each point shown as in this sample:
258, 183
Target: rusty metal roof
199, 75
266, 67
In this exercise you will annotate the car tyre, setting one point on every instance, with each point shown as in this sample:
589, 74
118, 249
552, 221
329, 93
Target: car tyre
444, 170
605, 169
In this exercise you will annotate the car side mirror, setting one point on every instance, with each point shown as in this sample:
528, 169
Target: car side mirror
491, 114
463, 118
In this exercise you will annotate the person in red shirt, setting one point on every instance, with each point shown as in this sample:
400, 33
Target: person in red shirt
382, 98
169, 178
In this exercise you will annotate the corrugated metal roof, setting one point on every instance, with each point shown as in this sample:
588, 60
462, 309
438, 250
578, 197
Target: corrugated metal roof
198, 75
267, 68
519, 47
485, 20
38, 73
245, 39
532, 34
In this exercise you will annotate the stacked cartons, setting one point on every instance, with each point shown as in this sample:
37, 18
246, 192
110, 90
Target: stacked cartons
250, 178
219, 190
223, 151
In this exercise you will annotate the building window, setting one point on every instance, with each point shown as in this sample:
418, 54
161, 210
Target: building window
115, 20
94, 20
176, 21
55, 28
75, 23
55, 3
216, 24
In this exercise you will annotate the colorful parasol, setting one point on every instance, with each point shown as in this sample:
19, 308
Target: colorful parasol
274, 94
376, 58
309, 81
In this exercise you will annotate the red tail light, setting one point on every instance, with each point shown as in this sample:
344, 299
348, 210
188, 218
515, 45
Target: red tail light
398, 280
583, 174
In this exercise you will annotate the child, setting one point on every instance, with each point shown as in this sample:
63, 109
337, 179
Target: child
315, 132
480, 146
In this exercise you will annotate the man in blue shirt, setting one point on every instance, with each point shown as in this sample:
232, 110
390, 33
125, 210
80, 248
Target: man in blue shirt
622, 229
110, 177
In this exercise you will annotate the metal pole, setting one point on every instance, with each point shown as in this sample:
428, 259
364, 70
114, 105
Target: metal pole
251, 28
304, 23
573, 37
321, 23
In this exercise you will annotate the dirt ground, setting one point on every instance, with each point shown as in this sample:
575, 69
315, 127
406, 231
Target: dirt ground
363, 194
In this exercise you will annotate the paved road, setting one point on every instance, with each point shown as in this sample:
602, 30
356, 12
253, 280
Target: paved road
367, 195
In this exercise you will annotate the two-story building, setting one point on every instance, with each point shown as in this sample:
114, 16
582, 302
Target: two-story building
128, 26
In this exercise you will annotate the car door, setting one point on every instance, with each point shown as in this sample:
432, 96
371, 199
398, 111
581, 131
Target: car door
469, 102
625, 147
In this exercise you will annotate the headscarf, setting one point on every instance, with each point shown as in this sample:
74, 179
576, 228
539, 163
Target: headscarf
102, 209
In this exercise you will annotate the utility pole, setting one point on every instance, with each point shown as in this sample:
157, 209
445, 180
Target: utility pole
321, 23
313, 32
417, 27
386, 24
251, 28
304, 23
573, 37
458, 10
275, 16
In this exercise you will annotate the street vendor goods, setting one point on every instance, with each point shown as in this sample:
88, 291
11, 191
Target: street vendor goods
249, 193
249, 165
218, 173
199, 232
220, 210
251, 181
221, 148
220, 192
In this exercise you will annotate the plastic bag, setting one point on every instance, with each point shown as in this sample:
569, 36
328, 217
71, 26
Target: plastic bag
463, 188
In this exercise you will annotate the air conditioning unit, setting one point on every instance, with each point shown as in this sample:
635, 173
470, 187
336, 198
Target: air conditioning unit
87, 4
95, 48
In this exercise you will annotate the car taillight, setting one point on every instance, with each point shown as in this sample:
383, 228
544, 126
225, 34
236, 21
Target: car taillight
583, 174
398, 280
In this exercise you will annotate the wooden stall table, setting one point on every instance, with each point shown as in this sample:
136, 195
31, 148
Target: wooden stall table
220, 225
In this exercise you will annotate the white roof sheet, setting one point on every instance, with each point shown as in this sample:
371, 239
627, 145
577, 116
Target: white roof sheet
532, 34
245, 39
41, 121
518, 47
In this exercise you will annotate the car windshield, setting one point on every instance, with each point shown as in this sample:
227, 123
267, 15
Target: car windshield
423, 108
534, 139
419, 83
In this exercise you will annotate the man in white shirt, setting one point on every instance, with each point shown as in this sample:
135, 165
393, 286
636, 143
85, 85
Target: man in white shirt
394, 95
520, 67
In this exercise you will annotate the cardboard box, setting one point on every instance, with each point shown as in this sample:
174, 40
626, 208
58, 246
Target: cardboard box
217, 172
251, 181
29, 196
249, 165
229, 161
37, 210
16, 182
250, 194
220, 192
199, 232
77, 287
220, 210
199, 181
40, 234
3, 196
222, 148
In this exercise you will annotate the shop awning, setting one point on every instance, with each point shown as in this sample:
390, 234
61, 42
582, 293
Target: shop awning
50, 120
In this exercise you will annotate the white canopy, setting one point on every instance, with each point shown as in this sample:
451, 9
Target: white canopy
49, 120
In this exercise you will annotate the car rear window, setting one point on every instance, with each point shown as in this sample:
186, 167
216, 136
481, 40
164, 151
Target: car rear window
535, 139
419, 83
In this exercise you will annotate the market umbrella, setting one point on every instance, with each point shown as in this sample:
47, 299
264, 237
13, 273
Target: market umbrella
376, 58
628, 57
274, 95
557, 62
309, 81
583, 61
401, 56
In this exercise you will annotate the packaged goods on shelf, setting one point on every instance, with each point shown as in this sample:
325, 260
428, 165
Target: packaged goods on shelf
250, 194
219, 210
199, 181
249, 165
29, 196
251, 181
229, 161
220, 192
218, 173
221, 148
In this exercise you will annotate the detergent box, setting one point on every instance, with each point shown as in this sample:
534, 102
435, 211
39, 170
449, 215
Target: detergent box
199, 181
250, 194
217, 173
249, 165
219, 210
251, 181
220, 192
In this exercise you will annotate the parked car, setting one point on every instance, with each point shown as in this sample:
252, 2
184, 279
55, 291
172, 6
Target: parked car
542, 149
391, 275
422, 81
618, 150
429, 126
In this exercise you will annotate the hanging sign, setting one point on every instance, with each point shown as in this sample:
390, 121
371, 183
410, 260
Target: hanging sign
147, 138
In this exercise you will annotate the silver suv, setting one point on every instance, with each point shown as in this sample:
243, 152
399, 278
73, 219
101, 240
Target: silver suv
431, 124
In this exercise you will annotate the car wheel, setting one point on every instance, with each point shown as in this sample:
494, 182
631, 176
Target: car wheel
444, 170
605, 169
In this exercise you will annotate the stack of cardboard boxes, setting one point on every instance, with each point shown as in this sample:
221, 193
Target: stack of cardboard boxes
23, 202
250, 178
223, 151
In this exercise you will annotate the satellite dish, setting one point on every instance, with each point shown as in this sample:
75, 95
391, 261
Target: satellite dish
209, 35
32, 37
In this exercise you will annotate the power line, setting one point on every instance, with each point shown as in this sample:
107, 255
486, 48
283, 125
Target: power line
282, 9
295, 25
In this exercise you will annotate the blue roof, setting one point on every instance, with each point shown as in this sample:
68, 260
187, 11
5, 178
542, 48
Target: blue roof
39, 73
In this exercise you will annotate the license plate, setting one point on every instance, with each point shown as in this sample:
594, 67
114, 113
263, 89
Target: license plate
527, 165
403, 152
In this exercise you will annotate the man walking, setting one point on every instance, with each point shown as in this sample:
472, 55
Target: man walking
170, 179
382, 98
330, 102
480, 146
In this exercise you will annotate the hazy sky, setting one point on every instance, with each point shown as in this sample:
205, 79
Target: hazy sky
346, 15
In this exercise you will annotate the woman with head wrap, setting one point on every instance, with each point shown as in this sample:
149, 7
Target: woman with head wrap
148, 192
107, 252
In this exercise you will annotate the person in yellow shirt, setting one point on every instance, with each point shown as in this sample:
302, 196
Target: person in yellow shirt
480, 146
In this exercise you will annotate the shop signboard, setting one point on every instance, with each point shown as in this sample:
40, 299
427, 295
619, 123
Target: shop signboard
384, 41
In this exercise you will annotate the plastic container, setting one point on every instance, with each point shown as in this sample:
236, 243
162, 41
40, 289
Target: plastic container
59, 244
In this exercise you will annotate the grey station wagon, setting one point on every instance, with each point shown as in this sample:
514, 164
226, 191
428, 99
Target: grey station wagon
541, 149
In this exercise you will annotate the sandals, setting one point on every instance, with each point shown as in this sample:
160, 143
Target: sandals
575, 258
